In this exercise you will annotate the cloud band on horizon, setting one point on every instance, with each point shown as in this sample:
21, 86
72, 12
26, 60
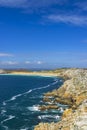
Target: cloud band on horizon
6, 55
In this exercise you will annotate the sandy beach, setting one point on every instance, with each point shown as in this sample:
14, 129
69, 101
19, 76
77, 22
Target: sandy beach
47, 74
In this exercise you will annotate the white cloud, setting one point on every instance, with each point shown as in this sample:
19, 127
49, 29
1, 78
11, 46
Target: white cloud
82, 5
5, 55
29, 3
13, 3
74, 8
39, 62
34, 62
44, 3
9, 63
71, 19
27, 62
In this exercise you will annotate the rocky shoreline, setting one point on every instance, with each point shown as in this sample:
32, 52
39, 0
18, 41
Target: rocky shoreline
72, 93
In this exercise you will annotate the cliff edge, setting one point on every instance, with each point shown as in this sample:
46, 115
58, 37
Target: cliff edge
74, 94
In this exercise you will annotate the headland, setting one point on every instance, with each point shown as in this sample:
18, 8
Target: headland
74, 94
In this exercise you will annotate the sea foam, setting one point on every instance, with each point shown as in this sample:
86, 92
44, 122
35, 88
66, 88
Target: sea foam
24, 129
49, 117
3, 111
29, 91
33, 108
14, 97
9, 118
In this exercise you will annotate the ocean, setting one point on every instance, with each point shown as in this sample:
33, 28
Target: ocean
20, 96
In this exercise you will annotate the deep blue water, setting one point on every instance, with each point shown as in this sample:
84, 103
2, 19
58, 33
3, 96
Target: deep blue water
19, 100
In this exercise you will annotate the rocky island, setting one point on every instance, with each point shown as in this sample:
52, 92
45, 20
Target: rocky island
72, 93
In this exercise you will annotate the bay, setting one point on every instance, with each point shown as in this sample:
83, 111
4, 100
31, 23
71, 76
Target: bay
20, 96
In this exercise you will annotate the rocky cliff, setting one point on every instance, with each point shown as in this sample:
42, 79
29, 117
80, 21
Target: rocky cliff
74, 94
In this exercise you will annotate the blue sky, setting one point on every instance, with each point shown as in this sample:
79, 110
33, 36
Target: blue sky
43, 33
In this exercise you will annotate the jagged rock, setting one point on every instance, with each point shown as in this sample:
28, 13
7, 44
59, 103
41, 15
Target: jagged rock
64, 101
67, 112
51, 94
74, 93
48, 107
46, 99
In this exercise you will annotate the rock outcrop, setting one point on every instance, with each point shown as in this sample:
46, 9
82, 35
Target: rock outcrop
48, 107
73, 93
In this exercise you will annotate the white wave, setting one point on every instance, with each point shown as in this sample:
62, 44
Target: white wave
24, 129
54, 111
4, 103
3, 111
45, 86
14, 97
9, 118
61, 80
41, 87
33, 108
6, 128
48, 117
55, 83
29, 91
61, 109
50, 103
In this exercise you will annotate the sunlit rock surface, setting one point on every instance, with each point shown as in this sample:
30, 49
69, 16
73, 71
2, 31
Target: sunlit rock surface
73, 93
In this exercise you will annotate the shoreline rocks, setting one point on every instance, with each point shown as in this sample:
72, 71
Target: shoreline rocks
48, 107
73, 93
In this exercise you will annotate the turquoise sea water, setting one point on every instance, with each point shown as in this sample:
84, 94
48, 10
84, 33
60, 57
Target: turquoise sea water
19, 100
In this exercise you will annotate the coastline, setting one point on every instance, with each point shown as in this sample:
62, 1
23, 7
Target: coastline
34, 73
74, 94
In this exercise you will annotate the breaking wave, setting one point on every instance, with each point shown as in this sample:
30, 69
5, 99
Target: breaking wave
29, 91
